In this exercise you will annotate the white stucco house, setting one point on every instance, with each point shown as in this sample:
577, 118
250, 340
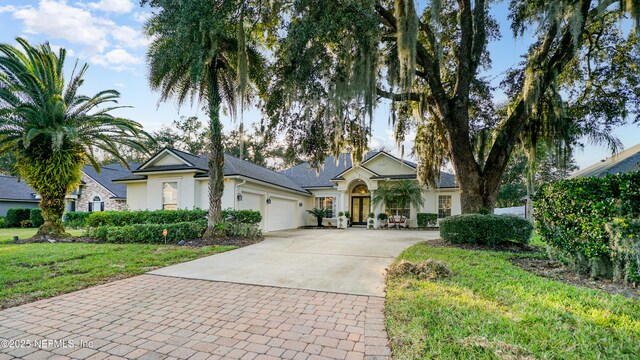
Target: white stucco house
174, 179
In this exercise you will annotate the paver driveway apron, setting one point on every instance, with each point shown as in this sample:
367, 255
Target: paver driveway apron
349, 261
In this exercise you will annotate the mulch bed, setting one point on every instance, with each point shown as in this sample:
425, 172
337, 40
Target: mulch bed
554, 270
510, 247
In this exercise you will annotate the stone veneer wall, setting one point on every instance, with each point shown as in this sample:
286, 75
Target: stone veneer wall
91, 189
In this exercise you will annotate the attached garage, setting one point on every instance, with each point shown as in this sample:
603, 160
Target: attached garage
281, 214
251, 201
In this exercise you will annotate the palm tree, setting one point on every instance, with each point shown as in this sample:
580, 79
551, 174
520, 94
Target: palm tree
401, 193
319, 214
199, 53
51, 129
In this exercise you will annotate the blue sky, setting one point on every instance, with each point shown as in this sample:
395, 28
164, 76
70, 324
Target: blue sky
107, 35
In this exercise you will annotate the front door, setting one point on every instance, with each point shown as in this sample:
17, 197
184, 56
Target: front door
360, 209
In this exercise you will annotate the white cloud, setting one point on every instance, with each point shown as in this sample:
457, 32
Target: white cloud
56, 48
141, 16
59, 20
113, 6
117, 59
7, 8
120, 85
129, 37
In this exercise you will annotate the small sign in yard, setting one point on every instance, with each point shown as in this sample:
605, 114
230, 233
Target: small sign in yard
164, 233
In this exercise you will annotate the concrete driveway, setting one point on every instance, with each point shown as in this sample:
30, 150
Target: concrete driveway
349, 261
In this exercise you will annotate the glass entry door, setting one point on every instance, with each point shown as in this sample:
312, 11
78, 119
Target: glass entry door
360, 207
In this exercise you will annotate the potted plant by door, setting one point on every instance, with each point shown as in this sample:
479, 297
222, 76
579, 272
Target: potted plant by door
340, 218
371, 221
348, 216
382, 220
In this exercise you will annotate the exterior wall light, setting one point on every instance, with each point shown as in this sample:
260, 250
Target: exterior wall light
300, 204
269, 201
239, 197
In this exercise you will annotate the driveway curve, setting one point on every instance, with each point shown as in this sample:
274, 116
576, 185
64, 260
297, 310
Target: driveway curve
351, 261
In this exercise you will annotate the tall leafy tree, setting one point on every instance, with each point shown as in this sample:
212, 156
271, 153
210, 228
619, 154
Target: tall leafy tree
401, 193
50, 129
338, 58
203, 50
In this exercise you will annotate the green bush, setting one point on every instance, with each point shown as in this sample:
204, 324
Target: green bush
3, 222
17, 216
35, 215
427, 219
149, 233
76, 219
383, 216
123, 218
243, 230
625, 249
572, 217
485, 229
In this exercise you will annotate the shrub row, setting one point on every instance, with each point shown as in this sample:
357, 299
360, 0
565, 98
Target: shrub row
427, 219
35, 216
152, 233
16, 216
123, 218
485, 229
572, 215
76, 219
149, 233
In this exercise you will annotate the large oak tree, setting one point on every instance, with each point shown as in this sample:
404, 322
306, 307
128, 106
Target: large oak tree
336, 59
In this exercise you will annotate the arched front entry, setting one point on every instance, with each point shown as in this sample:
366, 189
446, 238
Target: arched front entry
360, 203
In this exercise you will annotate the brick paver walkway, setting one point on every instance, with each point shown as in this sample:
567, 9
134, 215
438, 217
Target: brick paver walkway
156, 317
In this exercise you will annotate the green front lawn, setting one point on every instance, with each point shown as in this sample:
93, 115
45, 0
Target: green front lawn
7, 234
30, 272
491, 309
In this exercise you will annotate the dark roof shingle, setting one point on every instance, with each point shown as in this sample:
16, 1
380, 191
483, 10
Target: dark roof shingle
12, 189
111, 172
623, 162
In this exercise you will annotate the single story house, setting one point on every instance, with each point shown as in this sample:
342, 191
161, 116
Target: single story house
15, 193
622, 162
174, 179
98, 192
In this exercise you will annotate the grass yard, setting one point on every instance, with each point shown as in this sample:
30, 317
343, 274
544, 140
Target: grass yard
7, 234
30, 272
491, 309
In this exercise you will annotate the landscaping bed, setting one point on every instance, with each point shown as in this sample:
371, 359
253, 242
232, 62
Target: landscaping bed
30, 272
490, 308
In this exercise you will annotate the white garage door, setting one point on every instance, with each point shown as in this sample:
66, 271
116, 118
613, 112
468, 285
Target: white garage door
253, 202
282, 214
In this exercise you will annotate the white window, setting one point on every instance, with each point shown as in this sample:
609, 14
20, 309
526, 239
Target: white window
170, 195
328, 203
394, 209
444, 206
96, 204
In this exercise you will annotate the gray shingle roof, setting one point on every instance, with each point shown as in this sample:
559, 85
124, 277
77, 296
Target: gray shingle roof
307, 177
623, 162
12, 189
108, 173
233, 166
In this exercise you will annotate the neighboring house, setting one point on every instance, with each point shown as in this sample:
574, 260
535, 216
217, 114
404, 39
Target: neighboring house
623, 162
174, 179
98, 192
15, 194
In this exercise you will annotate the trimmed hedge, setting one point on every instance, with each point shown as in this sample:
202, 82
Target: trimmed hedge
571, 215
77, 219
35, 215
485, 229
427, 219
123, 218
16, 216
149, 233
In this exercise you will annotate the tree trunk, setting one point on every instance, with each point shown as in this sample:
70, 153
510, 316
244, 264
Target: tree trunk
216, 157
52, 210
479, 186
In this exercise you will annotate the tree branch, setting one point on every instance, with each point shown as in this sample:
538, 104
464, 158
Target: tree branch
398, 97
463, 53
480, 34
